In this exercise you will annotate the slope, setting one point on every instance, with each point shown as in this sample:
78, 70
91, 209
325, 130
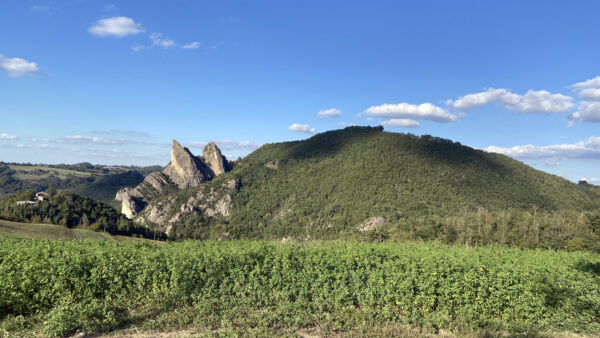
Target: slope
334, 181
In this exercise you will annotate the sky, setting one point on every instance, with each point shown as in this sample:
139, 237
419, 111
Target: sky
113, 82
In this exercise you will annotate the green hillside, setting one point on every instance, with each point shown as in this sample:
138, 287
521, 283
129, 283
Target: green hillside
105, 187
95, 181
334, 181
19, 230
66, 209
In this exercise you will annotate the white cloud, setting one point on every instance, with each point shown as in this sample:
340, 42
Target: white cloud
118, 26
329, 113
109, 7
591, 83
5, 136
552, 162
193, 45
121, 132
588, 149
589, 108
589, 111
137, 48
16, 67
590, 94
79, 139
303, 128
159, 40
226, 145
424, 111
408, 123
118, 154
533, 102
592, 180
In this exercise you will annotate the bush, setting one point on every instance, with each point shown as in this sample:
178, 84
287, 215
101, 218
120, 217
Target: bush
95, 286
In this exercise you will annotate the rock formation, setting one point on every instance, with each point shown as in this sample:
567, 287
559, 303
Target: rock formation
184, 171
371, 224
210, 202
214, 159
133, 200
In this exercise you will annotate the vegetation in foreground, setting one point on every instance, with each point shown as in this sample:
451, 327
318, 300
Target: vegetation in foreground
68, 210
56, 288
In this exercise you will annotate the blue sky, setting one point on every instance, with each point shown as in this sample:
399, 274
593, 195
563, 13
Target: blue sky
113, 82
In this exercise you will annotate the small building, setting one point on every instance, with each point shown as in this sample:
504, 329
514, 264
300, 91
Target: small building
26, 202
41, 196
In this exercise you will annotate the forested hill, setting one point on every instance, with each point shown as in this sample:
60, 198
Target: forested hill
366, 166
336, 180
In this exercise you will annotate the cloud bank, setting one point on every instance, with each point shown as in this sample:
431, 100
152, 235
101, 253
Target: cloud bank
118, 26
16, 67
329, 113
424, 111
588, 149
588, 109
533, 102
302, 128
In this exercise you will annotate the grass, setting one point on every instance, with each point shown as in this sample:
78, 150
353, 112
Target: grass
61, 172
57, 288
10, 229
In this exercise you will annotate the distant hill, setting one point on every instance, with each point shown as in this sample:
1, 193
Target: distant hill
95, 181
68, 210
338, 182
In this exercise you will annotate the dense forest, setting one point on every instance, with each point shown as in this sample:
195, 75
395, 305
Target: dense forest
423, 187
68, 209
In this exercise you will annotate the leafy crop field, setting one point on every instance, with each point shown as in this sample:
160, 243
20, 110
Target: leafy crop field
59, 287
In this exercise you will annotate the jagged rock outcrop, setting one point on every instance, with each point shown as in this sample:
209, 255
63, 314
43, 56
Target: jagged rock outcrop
158, 181
133, 200
214, 159
212, 203
185, 169
371, 224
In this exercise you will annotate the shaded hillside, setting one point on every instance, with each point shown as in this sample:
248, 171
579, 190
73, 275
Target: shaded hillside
95, 181
334, 181
104, 188
69, 210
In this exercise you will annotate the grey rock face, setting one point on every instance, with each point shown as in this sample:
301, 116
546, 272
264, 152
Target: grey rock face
130, 205
371, 224
133, 200
158, 181
224, 206
214, 159
185, 169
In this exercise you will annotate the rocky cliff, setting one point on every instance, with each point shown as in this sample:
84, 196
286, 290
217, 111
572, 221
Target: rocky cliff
214, 159
207, 202
183, 171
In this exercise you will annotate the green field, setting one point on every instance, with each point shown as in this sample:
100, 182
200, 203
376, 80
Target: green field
50, 231
61, 172
266, 288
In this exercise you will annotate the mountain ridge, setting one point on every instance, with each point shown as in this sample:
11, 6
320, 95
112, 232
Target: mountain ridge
185, 170
337, 180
